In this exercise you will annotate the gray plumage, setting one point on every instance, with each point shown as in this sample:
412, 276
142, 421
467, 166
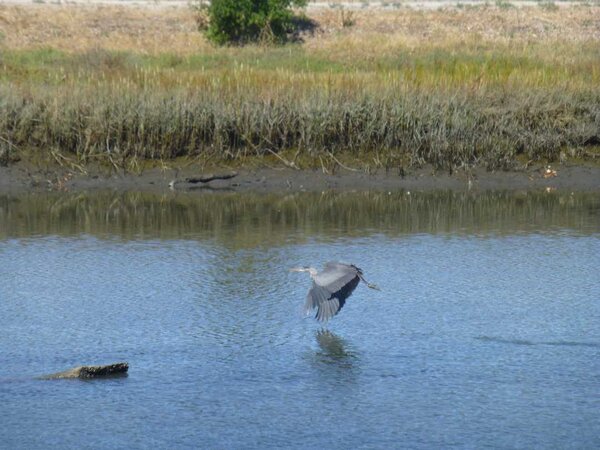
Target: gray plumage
331, 287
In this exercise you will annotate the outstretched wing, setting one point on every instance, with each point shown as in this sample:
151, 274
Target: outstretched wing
330, 298
336, 275
316, 296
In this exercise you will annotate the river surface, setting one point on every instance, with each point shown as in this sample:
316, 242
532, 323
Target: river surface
485, 334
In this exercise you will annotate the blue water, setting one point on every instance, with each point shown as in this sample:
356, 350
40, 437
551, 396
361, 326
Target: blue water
476, 340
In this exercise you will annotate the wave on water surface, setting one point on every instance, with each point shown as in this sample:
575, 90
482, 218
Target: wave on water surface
528, 342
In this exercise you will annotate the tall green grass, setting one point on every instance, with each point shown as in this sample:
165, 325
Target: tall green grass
444, 106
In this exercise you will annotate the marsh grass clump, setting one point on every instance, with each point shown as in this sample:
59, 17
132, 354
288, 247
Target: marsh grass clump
116, 121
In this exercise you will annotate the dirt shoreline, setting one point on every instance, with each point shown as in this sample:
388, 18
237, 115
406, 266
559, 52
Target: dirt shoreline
21, 178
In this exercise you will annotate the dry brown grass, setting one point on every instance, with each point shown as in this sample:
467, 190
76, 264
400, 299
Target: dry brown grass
173, 30
576, 24
81, 28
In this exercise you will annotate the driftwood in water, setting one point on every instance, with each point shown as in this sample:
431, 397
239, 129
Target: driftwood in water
109, 370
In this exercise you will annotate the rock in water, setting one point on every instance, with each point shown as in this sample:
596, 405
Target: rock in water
90, 372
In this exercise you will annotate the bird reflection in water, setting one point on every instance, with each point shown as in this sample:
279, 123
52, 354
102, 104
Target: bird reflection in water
333, 349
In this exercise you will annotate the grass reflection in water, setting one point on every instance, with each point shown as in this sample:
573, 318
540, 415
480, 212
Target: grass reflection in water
251, 220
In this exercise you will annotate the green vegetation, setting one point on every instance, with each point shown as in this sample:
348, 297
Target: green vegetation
240, 21
376, 100
449, 109
503, 4
548, 5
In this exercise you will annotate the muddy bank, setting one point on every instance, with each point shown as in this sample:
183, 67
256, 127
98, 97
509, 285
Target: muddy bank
22, 177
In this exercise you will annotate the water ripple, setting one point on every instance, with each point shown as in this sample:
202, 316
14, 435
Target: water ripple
528, 342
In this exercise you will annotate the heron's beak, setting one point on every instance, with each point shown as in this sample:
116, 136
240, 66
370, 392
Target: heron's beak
373, 286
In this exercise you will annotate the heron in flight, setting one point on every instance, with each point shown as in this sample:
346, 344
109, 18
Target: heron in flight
331, 287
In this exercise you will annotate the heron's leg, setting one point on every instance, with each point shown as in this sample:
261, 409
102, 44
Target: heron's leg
369, 285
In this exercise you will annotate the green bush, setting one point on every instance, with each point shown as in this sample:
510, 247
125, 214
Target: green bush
241, 21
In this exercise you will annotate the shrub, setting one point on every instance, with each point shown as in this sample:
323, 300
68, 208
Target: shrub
241, 21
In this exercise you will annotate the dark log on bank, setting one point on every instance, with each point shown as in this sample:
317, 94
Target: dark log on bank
210, 177
204, 178
109, 370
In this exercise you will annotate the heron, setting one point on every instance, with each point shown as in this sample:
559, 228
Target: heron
331, 287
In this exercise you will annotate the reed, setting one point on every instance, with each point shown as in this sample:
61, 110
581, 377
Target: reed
114, 120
